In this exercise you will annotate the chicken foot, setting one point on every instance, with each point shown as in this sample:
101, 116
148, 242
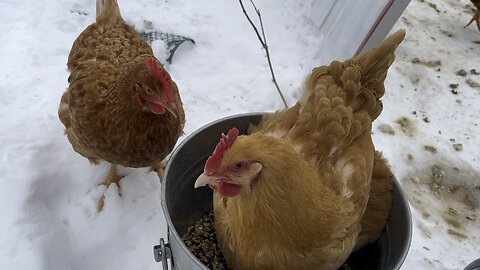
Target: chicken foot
476, 18
112, 177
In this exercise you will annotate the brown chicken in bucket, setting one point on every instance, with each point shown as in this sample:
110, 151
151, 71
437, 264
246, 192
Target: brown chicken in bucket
121, 105
307, 188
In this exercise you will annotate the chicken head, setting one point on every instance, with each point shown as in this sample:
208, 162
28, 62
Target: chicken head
228, 177
154, 88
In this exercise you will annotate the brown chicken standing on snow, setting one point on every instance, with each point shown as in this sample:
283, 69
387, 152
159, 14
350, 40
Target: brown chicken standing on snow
294, 194
121, 105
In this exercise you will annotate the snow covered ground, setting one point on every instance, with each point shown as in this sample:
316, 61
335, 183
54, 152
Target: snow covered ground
428, 129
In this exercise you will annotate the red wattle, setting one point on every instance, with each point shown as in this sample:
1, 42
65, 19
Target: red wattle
156, 108
228, 190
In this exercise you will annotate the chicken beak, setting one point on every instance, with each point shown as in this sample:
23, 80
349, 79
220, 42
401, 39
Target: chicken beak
204, 180
171, 108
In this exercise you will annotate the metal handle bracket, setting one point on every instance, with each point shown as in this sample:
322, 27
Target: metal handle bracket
162, 253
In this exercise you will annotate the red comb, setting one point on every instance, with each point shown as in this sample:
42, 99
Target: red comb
213, 162
161, 76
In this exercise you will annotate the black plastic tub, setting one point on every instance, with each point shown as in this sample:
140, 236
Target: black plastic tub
183, 205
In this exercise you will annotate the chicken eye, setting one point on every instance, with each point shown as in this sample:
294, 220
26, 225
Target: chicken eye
149, 91
239, 165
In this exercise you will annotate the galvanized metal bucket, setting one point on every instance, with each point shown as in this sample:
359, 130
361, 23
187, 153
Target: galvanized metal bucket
183, 205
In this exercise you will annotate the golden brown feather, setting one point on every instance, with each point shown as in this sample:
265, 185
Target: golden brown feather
292, 195
379, 203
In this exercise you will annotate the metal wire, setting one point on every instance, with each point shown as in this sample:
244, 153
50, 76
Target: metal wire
173, 41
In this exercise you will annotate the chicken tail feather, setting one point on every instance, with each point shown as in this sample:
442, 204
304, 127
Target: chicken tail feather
373, 66
108, 11
359, 80
340, 101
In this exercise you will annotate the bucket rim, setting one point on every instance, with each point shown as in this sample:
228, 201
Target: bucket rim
408, 213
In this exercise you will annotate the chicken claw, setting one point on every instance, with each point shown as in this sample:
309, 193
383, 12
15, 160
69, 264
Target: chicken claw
112, 177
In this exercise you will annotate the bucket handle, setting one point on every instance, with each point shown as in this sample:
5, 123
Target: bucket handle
162, 253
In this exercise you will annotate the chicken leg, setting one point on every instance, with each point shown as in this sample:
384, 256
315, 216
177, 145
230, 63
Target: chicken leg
160, 168
476, 18
112, 177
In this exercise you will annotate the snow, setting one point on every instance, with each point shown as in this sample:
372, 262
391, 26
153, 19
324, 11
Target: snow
48, 193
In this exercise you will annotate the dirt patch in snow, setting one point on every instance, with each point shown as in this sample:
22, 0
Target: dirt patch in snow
406, 126
449, 198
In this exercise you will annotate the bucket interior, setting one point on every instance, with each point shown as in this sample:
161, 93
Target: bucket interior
185, 205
